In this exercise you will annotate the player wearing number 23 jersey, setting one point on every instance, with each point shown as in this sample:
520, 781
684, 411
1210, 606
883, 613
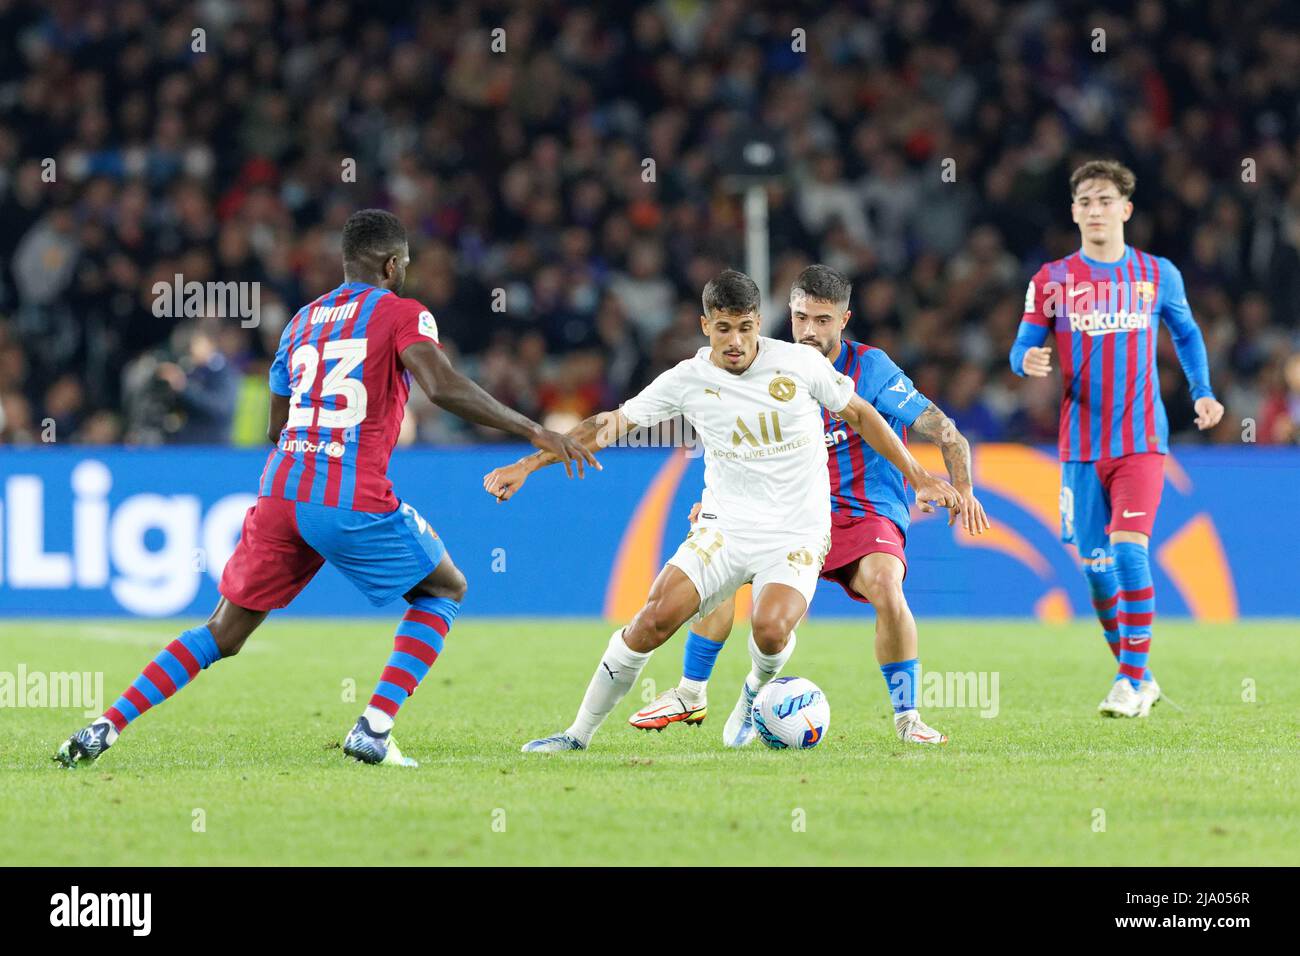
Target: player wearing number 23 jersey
339, 363
339, 383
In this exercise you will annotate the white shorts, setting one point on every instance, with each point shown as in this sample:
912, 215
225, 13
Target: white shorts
718, 562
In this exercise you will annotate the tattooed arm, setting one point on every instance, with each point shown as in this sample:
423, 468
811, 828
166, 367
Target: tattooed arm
933, 425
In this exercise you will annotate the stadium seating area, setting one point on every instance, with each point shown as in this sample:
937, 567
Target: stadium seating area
524, 171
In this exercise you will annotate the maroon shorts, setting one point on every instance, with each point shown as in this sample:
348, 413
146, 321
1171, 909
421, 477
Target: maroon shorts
272, 562
1133, 484
853, 539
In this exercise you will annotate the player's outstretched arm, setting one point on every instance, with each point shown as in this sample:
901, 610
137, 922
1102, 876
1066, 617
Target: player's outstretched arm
449, 389
598, 431
859, 415
933, 425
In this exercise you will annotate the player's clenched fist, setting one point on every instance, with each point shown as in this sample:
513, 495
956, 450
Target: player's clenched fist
1208, 412
1038, 361
502, 483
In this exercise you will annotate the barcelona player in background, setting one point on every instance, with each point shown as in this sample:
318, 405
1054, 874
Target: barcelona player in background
339, 385
1104, 303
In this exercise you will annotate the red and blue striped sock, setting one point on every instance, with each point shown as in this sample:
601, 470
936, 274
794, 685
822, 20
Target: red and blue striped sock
416, 646
1137, 606
1103, 583
175, 666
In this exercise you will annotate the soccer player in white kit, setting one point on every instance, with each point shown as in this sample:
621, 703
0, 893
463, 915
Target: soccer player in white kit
756, 404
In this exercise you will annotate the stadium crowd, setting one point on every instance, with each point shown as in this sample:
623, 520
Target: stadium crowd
564, 269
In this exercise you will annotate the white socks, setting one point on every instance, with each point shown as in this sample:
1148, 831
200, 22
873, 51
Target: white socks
379, 721
692, 691
618, 670
766, 666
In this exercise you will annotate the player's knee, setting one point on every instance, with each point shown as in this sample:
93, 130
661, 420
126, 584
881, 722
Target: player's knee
882, 587
455, 588
771, 634
227, 643
653, 625
231, 625
446, 582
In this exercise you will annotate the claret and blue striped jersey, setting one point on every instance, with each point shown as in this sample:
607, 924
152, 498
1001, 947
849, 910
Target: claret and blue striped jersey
1106, 318
339, 363
862, 481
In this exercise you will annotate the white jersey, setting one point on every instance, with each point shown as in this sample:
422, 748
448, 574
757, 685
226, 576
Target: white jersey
764, 450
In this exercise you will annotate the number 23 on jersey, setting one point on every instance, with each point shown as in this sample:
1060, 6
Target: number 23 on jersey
346, 355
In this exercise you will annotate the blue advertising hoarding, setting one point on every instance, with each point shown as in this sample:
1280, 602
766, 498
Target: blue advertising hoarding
146, 532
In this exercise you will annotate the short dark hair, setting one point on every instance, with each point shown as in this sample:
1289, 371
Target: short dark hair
732, 292
824, 283
1110, 170
370, 236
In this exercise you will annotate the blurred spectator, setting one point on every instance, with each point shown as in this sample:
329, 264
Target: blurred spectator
966, 407
101, 428
926, 148
189, 399
1279, 420
63, 405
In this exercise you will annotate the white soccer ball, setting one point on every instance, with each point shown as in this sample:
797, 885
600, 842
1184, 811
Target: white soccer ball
791, 712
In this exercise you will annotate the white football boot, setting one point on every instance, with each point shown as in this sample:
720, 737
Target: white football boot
669, 707
913, 730
739, 728
1150, 693
556, 743
1122, 701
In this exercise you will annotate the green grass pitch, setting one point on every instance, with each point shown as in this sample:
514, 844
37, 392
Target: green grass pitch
251, 752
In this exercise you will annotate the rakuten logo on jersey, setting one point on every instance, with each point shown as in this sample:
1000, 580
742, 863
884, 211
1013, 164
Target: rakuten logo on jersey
1104, 323
303, 446
833, 438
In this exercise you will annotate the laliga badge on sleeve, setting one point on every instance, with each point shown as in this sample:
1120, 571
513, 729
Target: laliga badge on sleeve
428, 326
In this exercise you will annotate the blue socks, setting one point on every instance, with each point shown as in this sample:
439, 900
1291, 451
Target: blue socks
900, 678
699, 657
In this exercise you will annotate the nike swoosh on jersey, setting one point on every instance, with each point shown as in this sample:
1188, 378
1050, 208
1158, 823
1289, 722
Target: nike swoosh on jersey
1133, 514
